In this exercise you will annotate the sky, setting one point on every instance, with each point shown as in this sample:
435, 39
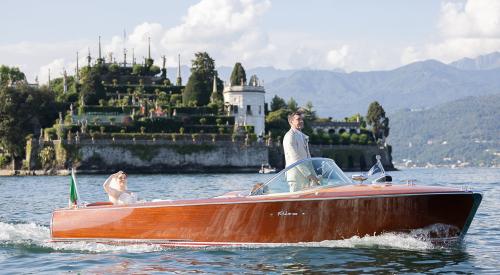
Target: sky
352, 35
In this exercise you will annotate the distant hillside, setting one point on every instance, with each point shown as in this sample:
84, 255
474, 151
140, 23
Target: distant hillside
482, 62
466, 130
266, 74
418, 85
337, 94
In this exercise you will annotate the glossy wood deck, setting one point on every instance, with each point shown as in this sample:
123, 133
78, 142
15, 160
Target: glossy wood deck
316, 215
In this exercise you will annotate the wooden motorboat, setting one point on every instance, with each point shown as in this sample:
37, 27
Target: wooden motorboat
329, 207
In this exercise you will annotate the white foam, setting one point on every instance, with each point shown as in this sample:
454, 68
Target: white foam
22, 232
33, 234
100, 247
387, 240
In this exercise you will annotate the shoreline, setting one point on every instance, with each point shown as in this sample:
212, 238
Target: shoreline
169, 171
66, 172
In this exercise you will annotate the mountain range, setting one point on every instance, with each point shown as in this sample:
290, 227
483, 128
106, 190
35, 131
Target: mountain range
419, 85
338, 94
460, 131
428, 103
483, 62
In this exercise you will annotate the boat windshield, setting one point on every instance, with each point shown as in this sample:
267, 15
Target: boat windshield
303, 175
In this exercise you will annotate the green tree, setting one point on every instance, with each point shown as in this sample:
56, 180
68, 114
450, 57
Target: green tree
196, 90
377, 120
199, 86
154, 69
238, 74
354, 139
277, 122
203, 64
23, 110
92, 89
114, 68
175, 99
309, 113
355, 118
292, 105
363, 139
345, 138
10, 75
163, 98
137, 69
278, 103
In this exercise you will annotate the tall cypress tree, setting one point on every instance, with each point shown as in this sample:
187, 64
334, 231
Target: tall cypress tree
196, 90
377, 120
238, 74
199, 86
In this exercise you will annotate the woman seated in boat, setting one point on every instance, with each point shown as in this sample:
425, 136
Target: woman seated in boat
116, 187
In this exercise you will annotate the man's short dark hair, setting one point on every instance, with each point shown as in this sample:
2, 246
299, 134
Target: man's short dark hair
292, 114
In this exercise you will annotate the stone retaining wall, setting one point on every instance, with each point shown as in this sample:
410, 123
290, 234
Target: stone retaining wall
164, 156
148, 156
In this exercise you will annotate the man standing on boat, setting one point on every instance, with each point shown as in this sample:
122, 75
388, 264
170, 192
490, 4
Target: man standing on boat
295, 145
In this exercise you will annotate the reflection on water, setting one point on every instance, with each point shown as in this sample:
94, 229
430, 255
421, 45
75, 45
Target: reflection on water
25, 245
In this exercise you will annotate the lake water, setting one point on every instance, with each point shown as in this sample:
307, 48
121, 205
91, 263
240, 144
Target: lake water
26, 204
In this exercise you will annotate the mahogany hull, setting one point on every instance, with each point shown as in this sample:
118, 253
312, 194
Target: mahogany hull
307, 218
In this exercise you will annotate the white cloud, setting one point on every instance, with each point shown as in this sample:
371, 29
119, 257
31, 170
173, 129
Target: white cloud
473, 19
466, 29
31, 57
409, 55
337, 57
213, 20
56, 68
226, 29
231, 31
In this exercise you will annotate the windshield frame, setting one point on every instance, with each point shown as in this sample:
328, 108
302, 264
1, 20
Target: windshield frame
341, 174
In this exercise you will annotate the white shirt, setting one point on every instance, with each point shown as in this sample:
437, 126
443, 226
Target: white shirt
295, 145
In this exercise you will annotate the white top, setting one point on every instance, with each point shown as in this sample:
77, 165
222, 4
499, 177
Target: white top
127, 198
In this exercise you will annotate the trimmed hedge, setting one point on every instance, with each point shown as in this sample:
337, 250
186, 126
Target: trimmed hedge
205, 137
204, 110
107, 109
335, 139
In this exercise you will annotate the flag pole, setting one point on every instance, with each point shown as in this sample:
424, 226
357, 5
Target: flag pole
73, 190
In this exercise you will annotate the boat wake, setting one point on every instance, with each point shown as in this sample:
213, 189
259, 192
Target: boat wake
29, 235
32, 235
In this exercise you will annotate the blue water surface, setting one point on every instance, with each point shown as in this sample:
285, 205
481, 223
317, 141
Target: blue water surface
26, 204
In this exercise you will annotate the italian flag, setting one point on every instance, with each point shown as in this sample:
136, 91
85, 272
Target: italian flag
73, 191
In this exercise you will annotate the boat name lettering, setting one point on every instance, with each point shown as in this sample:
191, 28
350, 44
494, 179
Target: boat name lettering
286, 213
